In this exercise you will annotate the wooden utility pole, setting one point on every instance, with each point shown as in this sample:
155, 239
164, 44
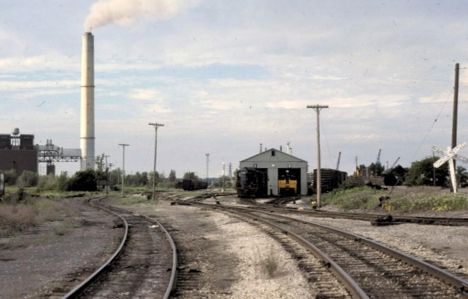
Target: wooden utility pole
455, 108
156, 126
319, 178
123, 145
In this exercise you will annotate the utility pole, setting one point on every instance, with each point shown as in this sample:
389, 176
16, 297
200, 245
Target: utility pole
207, 165
107, 175
317, 109
155, 125
455, 109
224, 176
123, 145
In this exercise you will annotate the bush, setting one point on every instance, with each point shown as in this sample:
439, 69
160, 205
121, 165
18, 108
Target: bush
10, 177
27, 179
62, 182
47, 182
355, 198
83, 181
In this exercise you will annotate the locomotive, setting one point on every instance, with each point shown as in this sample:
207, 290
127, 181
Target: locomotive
287, 184
251, 182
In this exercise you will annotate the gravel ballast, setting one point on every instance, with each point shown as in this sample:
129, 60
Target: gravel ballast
227, 256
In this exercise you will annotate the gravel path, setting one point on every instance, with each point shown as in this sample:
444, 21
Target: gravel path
44, 261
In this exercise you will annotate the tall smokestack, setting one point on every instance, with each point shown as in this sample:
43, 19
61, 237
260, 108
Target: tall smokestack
87, 102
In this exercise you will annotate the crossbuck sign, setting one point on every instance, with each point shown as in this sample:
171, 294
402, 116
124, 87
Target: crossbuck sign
450, 155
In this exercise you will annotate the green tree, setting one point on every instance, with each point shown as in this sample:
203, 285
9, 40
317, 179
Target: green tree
83, 181
100, 163
462, 176
421, 173
396, 176
376, 169
189, 175
172, 176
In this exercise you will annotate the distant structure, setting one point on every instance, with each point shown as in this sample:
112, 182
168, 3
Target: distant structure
87, 139
17, 152
50, 154
276, 165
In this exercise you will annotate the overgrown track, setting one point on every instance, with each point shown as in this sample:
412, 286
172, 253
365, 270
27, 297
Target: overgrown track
143, 266
373, 270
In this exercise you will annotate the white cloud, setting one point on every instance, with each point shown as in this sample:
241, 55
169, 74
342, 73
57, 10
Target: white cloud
146, 94
16, 85
50, 61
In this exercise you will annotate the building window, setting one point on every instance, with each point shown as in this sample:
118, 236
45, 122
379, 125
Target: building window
273, 153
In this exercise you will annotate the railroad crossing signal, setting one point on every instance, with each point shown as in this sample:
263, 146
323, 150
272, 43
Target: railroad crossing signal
450, 155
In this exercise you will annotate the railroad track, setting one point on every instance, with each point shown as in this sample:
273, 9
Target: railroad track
144, 264
376, 218
366, 268
276, 205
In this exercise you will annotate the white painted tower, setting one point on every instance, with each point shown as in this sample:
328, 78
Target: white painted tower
87, 102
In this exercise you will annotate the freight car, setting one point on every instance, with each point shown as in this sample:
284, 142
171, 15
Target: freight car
191, 184
331, 179
252, 182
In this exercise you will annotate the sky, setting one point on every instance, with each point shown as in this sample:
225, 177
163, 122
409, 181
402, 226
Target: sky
225, 76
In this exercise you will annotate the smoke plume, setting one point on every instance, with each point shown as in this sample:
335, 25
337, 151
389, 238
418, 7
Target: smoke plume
125, 12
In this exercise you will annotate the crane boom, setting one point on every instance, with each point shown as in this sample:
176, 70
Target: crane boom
338, 162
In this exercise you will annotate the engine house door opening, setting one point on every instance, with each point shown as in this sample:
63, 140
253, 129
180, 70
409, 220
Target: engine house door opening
289, 181
262, 182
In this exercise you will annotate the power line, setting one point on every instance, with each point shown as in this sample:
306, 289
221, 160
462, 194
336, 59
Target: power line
430, 130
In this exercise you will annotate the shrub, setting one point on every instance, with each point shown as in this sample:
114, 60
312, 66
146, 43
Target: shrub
27, 179
83, 181
47, 182
62, 182
10, 177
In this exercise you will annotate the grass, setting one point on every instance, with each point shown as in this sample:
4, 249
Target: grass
401, 199
128, 199
17, 217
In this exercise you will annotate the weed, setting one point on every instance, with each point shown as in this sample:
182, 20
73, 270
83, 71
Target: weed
16, 218
401, 199
268, 262
65, 226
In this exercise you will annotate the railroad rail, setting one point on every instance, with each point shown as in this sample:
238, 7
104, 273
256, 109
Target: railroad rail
374, 217
367, 269
134, 252
277, 205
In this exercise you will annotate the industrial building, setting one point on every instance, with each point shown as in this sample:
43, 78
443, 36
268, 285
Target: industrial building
277, 164
17, 151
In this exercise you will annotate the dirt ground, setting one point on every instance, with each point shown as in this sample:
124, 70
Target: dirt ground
222, 257
41, 261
